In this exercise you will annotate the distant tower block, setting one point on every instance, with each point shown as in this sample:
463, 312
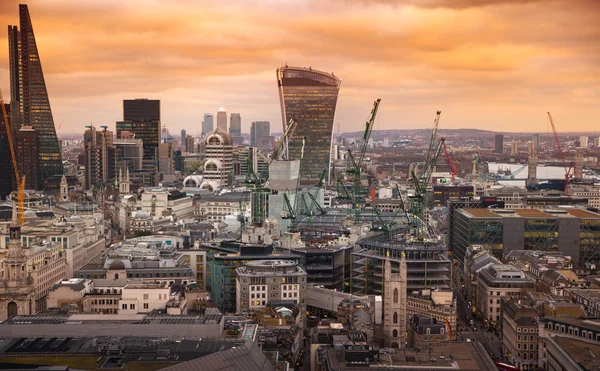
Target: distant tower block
64, 189
579, 165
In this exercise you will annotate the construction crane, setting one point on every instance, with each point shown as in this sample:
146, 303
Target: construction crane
562, 156
448, 159
291, 212
433, 136
19, 180
281, 151
356, 169
420, 183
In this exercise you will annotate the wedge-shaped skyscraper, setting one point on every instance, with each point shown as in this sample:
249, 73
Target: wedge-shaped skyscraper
309, 97
30, 105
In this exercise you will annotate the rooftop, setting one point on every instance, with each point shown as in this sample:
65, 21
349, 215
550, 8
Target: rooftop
583, 353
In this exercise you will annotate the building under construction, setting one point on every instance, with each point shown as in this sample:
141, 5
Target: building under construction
428, 262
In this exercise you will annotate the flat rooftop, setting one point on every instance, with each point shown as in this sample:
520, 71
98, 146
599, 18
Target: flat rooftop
584, 353
456, 356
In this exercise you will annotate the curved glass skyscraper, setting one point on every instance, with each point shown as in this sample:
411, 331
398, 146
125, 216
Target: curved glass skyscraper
309, 97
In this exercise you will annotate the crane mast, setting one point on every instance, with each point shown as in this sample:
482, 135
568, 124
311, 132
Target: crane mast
562, 156
449, 161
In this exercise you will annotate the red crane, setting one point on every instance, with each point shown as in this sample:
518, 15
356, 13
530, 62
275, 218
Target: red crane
562, 156
449, 161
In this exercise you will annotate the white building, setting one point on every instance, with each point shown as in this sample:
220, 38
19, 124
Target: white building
219, 157
262, 281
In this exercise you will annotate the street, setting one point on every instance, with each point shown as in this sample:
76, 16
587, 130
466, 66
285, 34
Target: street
490, 341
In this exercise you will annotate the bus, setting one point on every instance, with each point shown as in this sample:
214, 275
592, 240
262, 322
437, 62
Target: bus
506, 367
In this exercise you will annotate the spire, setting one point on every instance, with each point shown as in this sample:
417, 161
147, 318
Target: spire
15, 220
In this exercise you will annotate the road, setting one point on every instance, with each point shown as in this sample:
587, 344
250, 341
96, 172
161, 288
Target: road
491, 341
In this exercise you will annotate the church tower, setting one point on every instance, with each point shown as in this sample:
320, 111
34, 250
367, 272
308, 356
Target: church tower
394, 304
64, 189
124, 185
17, 293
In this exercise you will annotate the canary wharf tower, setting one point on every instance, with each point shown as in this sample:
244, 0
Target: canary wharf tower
309, 97
30, 105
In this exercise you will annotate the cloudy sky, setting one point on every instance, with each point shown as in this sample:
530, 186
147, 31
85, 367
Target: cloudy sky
488, 64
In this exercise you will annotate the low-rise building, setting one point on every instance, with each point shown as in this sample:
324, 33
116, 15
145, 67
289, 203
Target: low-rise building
496, 281
520, 331
258, 283
423, 331
438, 304
589, 299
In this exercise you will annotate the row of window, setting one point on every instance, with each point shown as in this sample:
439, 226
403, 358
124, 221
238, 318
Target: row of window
132, 306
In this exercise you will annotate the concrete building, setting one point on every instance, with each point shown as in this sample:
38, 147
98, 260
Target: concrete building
520, 332
535, 138
260, 134
261, 282
564, 353
438, 304
499, 143
190, 144
164, 202
166, 162
394, 304
218, 167
514, 148
496, 281
583, 141
424, 331
222, 119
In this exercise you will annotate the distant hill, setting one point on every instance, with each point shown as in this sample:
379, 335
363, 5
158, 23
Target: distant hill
451, 132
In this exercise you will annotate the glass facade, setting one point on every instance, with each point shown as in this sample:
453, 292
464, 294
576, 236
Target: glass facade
149, 132
30, 97
541, 234
589, 240
309, 97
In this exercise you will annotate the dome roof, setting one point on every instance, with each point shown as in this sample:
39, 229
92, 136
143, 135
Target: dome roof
223, 136
193, 181
140, 214
116, 265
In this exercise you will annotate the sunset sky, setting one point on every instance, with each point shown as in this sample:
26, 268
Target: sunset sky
489, 64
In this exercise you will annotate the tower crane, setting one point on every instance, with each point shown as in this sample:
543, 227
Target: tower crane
356, 168
562, 156
449, 161
19, 180
281, 151
433, 136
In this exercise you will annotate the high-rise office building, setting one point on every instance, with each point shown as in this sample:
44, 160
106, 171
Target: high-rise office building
183, 136
583, 141
310, 97
30, 105
535, 138
208, 124
260, 134
190, 144
27, 146
6, 168
235, 125
141, 109
166, 162
499, 143
100, 159
142, 118
222, 119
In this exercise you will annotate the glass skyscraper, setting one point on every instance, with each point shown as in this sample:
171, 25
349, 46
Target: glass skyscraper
30, 105
309, 96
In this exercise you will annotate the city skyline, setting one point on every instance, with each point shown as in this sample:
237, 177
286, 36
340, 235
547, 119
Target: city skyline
461, 57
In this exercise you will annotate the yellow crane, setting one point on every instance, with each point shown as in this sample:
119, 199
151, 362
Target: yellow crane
20, 181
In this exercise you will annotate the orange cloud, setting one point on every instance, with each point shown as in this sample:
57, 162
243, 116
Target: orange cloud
485, 63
